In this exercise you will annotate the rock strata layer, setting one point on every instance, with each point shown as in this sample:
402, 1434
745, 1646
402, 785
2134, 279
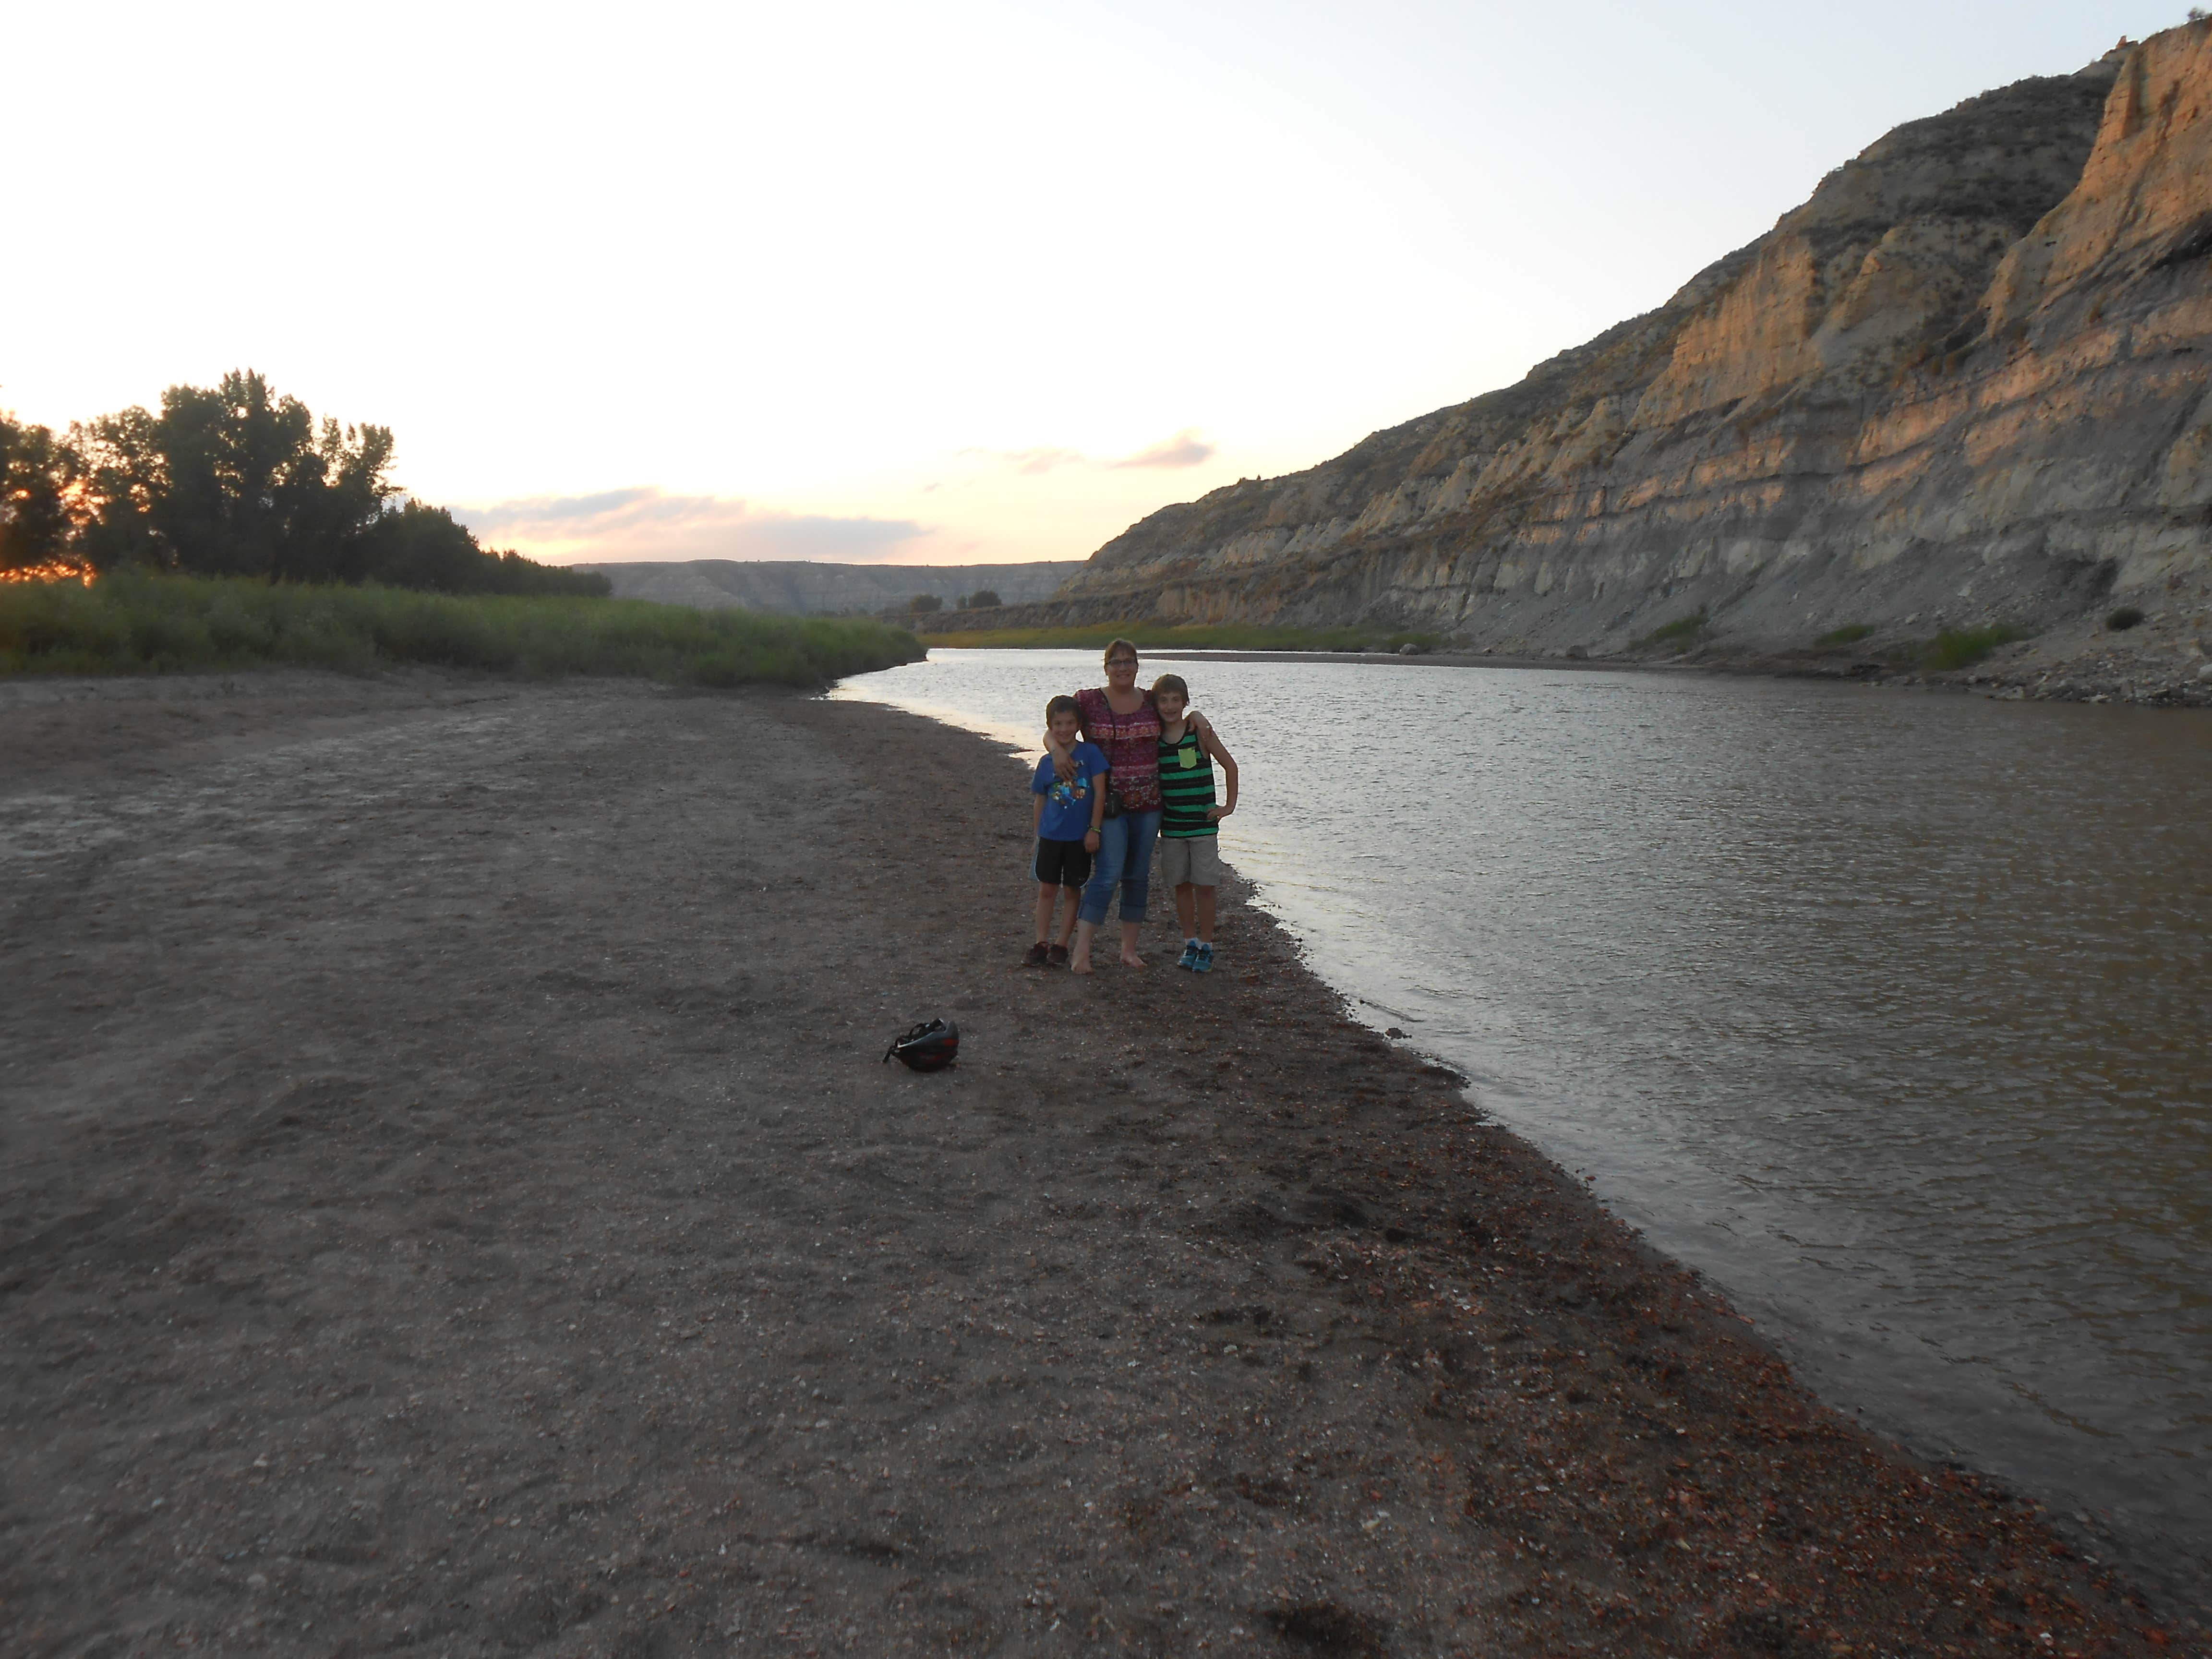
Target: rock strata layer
1963, 386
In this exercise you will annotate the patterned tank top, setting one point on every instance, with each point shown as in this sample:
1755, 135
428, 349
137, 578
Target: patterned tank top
1186, 786
1132, 743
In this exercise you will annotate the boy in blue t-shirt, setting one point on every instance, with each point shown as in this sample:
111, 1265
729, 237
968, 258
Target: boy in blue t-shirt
1066, 814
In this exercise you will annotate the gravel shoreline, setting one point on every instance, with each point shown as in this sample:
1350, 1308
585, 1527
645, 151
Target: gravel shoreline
451, 1201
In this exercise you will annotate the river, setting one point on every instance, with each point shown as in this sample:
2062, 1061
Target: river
1888, 1010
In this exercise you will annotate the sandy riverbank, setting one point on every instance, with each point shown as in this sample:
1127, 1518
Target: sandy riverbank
450, 1201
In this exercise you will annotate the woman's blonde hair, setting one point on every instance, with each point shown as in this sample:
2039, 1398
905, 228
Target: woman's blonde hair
1129, 646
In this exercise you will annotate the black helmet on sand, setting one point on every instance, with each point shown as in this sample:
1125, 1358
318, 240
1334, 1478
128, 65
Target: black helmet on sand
929, 1048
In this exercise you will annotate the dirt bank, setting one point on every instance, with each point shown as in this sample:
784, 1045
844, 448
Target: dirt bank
450, 1201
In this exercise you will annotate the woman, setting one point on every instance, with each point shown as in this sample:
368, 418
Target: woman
1121, 720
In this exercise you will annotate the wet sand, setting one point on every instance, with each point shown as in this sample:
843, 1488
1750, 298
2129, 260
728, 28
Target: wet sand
451, 1201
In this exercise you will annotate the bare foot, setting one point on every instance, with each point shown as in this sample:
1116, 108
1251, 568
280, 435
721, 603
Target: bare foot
1078, 965
1131, 959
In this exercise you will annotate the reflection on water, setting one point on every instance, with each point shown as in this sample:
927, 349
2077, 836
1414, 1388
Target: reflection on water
1888, 1010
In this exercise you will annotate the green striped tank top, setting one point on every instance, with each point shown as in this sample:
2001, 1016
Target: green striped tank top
1186, 786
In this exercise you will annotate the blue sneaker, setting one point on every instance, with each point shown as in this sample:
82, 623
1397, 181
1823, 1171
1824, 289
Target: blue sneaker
1189, 958
1204, 965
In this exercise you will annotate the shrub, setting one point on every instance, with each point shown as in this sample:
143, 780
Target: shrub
1849, 634
1963, 647
924, 604
1683, 630
982, 598
2122, 619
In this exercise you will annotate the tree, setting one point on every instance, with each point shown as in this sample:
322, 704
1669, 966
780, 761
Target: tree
249, 487
981, 599
35, 521
923, 605
119, 476
416, 546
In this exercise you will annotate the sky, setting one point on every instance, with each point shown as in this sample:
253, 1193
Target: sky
967, 282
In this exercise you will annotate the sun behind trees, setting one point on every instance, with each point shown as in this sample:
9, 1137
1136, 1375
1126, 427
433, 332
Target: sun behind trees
236, 481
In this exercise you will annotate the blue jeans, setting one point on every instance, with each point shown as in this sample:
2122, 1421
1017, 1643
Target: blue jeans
1125, 859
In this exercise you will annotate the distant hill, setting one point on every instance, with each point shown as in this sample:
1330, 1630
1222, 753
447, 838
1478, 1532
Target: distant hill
804, 588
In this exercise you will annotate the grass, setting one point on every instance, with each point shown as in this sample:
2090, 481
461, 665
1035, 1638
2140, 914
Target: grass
1849, 634
1684, 631
131, 623
1962, 647
1190, 636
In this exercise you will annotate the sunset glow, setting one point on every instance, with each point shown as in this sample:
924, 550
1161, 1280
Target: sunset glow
53, 570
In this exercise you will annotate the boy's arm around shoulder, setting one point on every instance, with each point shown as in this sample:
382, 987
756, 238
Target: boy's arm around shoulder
1211, 739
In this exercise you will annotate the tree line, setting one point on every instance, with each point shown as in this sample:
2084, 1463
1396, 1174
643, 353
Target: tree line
235, 481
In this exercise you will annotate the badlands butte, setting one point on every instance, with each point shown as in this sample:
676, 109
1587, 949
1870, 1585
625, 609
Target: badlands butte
1966, 386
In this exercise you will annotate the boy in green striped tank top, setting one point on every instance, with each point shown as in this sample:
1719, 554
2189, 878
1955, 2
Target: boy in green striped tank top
1190, 850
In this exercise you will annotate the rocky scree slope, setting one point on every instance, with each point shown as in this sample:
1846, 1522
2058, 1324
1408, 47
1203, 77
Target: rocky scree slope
1967, 385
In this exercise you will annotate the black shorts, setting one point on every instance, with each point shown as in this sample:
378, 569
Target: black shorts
1063, 863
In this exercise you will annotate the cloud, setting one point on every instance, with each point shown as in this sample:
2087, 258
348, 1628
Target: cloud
1185, 448
1034, 461
646, 523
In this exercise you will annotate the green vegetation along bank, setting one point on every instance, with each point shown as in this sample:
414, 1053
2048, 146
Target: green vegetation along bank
138, 622
1194, 636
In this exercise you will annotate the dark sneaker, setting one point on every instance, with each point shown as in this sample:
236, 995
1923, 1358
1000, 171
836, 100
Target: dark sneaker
1056, 956
1189, 958
1038, 956
1205, 963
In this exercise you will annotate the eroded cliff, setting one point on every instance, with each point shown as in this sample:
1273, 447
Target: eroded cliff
1964, 385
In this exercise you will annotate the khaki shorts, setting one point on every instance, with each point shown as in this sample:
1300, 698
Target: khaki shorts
1193, 860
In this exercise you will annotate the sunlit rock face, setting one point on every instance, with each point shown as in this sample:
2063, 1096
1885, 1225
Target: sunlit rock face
1966, 383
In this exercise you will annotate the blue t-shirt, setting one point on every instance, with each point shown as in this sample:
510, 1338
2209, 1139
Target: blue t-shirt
1067, 805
